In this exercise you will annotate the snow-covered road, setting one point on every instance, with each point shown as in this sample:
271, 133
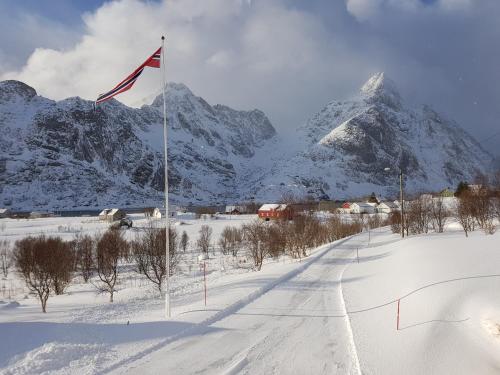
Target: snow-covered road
298, 327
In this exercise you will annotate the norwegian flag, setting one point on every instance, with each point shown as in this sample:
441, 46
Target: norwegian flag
153, 62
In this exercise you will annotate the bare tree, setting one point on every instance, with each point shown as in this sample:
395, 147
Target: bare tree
464, 212
173, 245
204, 239
184, 241
150, 256
63, 264
254, 233
483, 208
418, 214
84, 252
110, 247
34, 262
6, 258
439, 214
224, 240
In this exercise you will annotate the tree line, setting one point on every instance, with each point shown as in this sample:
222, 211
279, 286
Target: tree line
477, 207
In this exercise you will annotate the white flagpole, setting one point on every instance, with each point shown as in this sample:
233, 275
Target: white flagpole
165, 138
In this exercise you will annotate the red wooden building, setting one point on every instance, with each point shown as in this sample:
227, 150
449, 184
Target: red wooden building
273, 211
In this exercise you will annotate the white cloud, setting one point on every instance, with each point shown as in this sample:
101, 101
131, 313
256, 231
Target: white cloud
245, 54
286, 60
365, 10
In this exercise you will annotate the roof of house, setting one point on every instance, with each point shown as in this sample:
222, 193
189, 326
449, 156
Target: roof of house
4, 210
233, 208
389, 204
272, 206
365, 204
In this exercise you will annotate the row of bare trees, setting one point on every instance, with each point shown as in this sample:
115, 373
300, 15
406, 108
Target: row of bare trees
294, 238
473, 208
49, 264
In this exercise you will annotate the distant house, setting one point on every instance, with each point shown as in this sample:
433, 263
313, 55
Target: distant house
157, 213
153, 212
387, 207
234, 210
475, 188
363, 208
273, 211
345, 208
426, 196
111, 214
446, 193
373, 199
40, 214
4, 213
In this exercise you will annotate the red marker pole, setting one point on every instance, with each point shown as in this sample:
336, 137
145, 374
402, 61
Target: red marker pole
205, 280
397, 322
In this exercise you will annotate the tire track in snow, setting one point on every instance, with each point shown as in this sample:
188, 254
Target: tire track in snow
354, 351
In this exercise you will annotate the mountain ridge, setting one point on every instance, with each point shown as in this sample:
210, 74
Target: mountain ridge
64, 155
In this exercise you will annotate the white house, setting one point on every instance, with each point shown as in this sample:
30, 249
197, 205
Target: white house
156, 213
363, 208
387, 207
234, 210
111, 214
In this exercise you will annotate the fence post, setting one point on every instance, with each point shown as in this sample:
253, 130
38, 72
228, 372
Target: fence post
205, 280
397, 322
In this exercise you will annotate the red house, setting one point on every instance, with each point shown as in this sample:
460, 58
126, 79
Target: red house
275, 211
346, 205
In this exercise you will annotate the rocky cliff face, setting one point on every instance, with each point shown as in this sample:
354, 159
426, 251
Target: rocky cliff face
349, 144
64, 155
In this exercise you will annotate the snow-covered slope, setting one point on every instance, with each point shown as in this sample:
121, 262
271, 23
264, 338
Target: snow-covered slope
63, 155
347, 146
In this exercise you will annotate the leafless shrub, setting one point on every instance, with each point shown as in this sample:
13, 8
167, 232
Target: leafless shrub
395, 221
83, 246
110, 247
204, 239
274, 237
6, 258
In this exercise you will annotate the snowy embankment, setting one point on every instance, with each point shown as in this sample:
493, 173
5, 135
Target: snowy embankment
448, 287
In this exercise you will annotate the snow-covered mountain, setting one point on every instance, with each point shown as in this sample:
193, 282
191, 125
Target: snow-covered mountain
347, 145
64, 155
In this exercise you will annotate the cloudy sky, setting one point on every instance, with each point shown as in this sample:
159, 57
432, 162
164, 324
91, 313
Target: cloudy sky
286, 57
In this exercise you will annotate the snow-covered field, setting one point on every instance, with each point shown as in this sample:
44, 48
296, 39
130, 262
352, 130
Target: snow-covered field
328, 313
